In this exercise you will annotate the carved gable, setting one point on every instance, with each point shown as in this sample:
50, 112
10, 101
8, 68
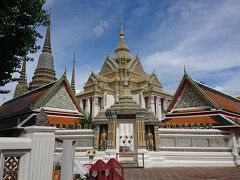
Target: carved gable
90, 81
61, 100
190, 98
138, 69
106, 68
154, 80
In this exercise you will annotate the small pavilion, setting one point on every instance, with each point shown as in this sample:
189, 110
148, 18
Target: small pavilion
126, 126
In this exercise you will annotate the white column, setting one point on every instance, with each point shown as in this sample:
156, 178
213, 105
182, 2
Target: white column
234, 142
87, 105
95, 106
67, 159
160, 108
157, 108
151, 98
41, 155
117, 137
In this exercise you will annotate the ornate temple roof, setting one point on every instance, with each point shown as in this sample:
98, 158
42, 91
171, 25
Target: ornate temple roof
211, 97
122, 50
101, 116
120, 68
44, 72
35, 99
196, 103
22, 86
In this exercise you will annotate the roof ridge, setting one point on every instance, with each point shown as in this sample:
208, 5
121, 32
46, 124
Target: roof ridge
223, 93
30, 92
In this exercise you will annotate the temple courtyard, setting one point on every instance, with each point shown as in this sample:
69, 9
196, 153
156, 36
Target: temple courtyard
181, 173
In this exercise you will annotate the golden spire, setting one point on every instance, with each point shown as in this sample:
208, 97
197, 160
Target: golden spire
73, 74
122, 50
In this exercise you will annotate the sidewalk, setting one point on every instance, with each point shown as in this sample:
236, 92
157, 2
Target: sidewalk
180, 173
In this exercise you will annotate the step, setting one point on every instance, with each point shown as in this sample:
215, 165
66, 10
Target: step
129, 164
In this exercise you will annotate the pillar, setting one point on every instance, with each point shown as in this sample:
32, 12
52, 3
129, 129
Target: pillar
94, 106
112, 134
157, 137
151, 99
141, 135
234, 142
87, 110
67, 159
41, 155
96, 134
158, 108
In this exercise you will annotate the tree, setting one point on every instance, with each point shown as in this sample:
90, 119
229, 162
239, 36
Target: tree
86, 121
19, 20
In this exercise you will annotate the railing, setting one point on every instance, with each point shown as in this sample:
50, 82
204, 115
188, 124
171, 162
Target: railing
131, 154
19, 157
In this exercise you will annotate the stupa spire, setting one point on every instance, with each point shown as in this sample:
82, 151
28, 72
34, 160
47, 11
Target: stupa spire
122, 50
45, 72
23, 72
47, 42
73, 74
22, 86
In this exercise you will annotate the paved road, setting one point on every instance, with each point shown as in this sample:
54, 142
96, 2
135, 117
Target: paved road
222, 173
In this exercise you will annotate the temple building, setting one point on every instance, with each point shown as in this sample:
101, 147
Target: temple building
47, 101
104, 88
53, 104
196, 105
126, 126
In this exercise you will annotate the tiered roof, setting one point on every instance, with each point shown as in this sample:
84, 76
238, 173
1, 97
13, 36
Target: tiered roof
201, 105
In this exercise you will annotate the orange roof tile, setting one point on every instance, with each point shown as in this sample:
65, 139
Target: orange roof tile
227, 102
213, 119
22, 104
191, 120
58, 120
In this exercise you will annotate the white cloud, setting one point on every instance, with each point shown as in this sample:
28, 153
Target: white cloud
205, 41
100, 28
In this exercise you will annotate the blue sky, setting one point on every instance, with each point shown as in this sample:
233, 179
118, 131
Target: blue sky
166, 35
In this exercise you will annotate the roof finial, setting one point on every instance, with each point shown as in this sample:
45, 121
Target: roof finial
121, 25
185, 72
73, 74
65, 71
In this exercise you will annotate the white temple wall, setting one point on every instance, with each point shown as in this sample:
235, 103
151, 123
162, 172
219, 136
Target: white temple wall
109, 100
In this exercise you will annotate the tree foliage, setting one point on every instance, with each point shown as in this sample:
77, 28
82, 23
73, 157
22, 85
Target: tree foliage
19, 20
86, 121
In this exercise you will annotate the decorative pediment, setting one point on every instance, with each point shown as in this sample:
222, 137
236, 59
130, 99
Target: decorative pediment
136, 66
91, 80
61, 100
190, 98
153, 79
108, 67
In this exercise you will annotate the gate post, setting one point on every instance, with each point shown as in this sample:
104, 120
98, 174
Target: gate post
41, 155
67, 159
